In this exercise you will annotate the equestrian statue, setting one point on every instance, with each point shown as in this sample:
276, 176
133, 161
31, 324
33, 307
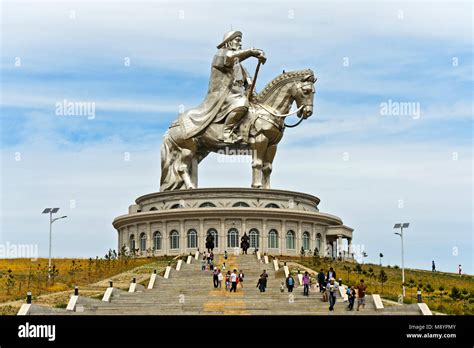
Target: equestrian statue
233, 118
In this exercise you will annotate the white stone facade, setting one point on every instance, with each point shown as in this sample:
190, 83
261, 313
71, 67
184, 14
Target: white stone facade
278, 222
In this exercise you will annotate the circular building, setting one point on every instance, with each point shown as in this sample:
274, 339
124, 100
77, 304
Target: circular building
278, 222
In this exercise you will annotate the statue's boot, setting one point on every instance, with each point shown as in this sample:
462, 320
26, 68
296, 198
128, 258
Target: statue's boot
232, 121
230, 137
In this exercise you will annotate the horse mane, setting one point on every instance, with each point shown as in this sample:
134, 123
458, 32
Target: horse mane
283, 78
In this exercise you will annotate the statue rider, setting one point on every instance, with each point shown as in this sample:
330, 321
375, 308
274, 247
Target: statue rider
229, 58
227, 96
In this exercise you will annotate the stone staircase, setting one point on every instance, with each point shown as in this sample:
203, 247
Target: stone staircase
190, 291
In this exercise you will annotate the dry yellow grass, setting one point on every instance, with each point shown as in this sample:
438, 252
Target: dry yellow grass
17, 276
437, 287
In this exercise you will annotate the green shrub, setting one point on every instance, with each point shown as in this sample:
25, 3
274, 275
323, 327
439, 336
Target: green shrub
455, 293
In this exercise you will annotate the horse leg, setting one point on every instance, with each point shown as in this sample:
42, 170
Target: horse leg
187, 157
267, 165
259, 148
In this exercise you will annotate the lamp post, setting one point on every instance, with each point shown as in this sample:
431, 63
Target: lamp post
401, 226
51, 211
380, 255
364, 255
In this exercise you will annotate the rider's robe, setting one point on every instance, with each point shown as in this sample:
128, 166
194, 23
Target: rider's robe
226, 92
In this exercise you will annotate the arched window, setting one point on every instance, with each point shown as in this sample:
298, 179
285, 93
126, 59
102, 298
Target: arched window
318, 242
271, 205
192, 239
306, 245
153, 208
175, 206
143, 242
233, 238
290, 240
207, 205
241, 204
213, 232
157, 240
253, 234
273, 239
174, 240
132, 243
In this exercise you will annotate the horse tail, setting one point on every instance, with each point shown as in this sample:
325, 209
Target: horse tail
170, 163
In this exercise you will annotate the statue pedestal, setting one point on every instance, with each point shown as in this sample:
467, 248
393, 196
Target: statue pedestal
278, 222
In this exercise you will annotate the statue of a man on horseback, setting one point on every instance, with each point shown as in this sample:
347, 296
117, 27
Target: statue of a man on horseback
230, 105
245, 243
230, 85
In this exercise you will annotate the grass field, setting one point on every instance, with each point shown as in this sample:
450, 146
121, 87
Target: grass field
17, 276
443, 292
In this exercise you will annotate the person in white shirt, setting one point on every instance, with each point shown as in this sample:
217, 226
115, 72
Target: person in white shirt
332, 289
233, 280
220, 278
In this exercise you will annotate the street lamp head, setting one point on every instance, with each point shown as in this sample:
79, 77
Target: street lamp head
63, 217
397, 226
406, 224
50, 210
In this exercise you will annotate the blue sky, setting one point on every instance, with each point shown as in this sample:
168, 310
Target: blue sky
362, 164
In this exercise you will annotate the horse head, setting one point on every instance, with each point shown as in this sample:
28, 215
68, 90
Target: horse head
303, 93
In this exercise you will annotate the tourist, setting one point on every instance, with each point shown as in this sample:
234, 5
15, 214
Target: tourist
208, 257
433, 267
227, 280
306, 283
361, 294
262, 281
460, 270
203, 264
321, 278
215, 277
241, 279
331, 274
351, 294
220, 277
332, 288
223, 266
211, 256
290, 283
211, 266
233, 279
225, 255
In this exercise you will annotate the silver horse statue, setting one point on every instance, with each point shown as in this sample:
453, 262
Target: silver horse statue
261, 130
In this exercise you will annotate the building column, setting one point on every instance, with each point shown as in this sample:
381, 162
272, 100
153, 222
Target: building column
263, 238
149, 238
299, 238
201, 236
349, 247
339, 245
281, 237
222, 236
182, 237
324, 246
165, 239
